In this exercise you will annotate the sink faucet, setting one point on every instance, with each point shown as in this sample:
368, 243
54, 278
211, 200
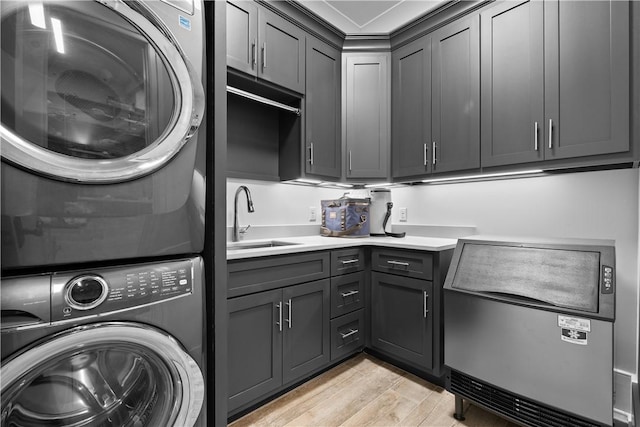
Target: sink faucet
236, 229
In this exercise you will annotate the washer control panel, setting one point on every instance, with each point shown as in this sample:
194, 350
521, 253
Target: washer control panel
99, 291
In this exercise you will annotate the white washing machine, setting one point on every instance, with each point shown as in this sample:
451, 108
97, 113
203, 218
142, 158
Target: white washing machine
102, 148
113, 346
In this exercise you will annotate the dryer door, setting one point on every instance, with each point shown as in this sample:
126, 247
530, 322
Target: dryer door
93, 92
106, 374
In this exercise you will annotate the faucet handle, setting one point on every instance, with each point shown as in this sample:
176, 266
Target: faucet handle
244, 229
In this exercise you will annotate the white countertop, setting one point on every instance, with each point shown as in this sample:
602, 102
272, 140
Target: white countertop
318, 243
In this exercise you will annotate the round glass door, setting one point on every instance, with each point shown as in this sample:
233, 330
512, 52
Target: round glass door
93, 92
108, 374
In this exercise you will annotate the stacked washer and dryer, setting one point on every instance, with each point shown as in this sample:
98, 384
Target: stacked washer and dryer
103, 192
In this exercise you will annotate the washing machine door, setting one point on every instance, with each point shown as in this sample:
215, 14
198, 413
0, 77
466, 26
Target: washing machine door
108, 374
93, 91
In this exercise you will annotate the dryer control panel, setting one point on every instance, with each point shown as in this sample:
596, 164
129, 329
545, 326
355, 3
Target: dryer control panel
101, 291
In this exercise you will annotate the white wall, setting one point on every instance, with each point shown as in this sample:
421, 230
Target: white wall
277, 204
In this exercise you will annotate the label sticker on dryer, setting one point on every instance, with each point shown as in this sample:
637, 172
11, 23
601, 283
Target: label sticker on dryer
573, 336
184, 22
574, 323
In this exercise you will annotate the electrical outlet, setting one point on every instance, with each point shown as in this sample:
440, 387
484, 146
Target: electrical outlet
313, 213
403, 214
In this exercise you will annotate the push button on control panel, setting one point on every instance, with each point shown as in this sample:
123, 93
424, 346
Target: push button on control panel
607, 279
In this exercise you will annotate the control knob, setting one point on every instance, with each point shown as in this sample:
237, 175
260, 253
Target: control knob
86, 292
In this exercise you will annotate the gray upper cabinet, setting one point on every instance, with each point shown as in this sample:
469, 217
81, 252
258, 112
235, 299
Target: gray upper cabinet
512, 83
366, 122
411, 109
586, 55
555, 80
456, 96
242, 36
322, 115
265, 45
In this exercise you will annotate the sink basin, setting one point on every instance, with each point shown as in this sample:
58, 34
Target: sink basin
258, 245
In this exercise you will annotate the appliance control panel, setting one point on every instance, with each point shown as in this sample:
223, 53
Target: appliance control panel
607, 279
101, 291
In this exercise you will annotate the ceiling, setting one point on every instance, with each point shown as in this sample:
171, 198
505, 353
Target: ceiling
370, 16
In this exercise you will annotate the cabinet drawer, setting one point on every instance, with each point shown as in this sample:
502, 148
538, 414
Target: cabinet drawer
402, 262
347, 261
347, 293
256, 275
347, 334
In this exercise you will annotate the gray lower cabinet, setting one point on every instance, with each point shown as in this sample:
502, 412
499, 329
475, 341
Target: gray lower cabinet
254, 346
406, 306
402, 318
347, 334
275, 338
306, 314
349, 281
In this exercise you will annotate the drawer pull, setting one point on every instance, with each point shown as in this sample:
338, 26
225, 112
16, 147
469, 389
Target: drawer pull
398, 263
348, 334
349, 261
348, 294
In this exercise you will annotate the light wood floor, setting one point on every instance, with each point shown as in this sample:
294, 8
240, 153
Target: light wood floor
365, 391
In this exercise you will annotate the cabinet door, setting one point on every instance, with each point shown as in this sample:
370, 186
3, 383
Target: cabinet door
306, 329
586, 78
401, 318
323, 144
254, 347
242, 36
512, 83
411, 109
456, 96
281, 46
367, 118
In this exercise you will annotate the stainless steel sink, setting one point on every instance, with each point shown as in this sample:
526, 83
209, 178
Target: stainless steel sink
258, 245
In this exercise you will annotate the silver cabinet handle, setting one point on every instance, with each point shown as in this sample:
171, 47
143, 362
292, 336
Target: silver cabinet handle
254, 56
279, 322
426, 301
289, 319
311, 153
535, 137
426, 150
434, 152
398, 263
349, 261
349, 160
348, 334
348, 294
550, 133
264, 56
